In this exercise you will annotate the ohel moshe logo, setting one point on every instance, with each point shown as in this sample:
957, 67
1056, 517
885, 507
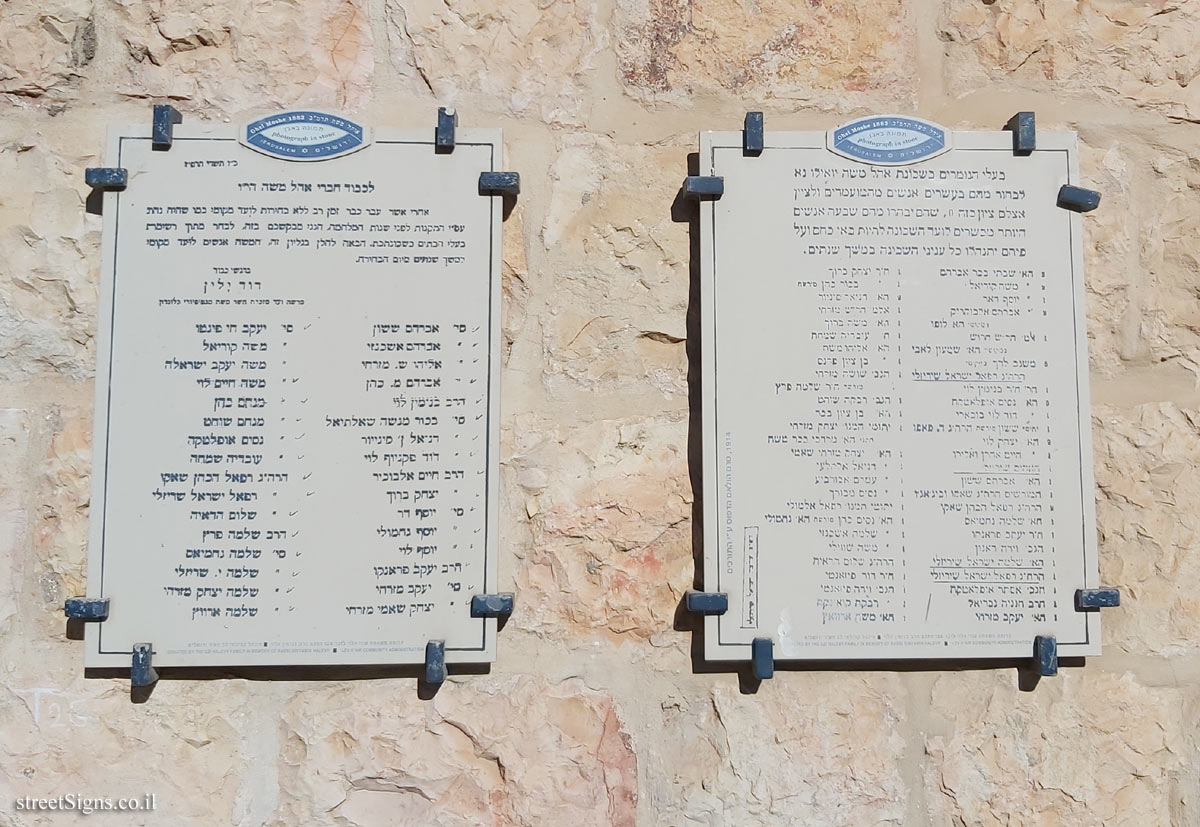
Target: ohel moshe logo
889, 140
305, 136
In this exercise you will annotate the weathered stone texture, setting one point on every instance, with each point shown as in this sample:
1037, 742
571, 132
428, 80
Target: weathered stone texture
824, 54
617, 269
517, 751
1142, 54
1084, 749
1148, 478
815, 749
47, 287
217, 57
524, 58
1170, 224
609, 508
44, 51
14, 519
60, 529
64, 735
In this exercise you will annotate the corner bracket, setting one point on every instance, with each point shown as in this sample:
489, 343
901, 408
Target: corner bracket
86, 608
492, 605
165, 118
1024, 129
142, 672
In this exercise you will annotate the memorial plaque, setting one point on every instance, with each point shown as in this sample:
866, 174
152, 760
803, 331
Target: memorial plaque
297, 396
896, 425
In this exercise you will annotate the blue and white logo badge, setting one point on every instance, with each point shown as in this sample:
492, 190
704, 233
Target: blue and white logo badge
305, 136
889, 140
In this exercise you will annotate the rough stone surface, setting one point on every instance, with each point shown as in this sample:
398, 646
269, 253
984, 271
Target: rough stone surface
524, 59
1088, 749
45, 49
833, 55
1147, 471
609, 510
1144, 54
596, 713
223, 57
477, 754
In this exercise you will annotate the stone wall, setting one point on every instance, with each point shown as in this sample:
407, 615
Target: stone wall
594, 714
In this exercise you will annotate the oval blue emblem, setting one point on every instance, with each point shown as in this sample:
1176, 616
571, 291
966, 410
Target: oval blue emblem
889, 140
305, 136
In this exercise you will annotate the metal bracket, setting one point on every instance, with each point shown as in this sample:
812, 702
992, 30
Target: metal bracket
1078, 198
86, 608
706, 603
1024, 129
499, 183
1094, 599
752, 134
435, 662
762, 658
106, 178
165, 118
443, 136
704, 186
492, 605
142, 673
1045, 655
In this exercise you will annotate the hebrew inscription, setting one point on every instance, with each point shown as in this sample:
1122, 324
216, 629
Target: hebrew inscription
896, 404
297, 403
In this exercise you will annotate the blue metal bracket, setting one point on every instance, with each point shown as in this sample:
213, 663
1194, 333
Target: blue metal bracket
1078, 198
86, 608
1045, 655
499, 183
142, 673
165, 118
1024, 129
1094, 599
752, 134
435, 662
443, 136
707, 603
704, 186
492, 605
762, 658
106, 178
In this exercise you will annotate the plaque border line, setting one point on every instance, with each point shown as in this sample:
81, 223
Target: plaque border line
1078, 402
121, 139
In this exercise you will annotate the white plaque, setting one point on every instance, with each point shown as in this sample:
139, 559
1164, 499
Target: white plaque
297, 396
896, 429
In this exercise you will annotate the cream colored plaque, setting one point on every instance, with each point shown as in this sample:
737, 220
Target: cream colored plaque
896, 426
297, 397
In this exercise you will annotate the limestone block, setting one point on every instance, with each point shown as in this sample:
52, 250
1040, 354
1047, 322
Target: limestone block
49, 251
1085, 748
60, 533
1112, 257
14, 517
44, 51
514, 280
1147, 478
620, 272
819, 749
516, 750
64, 734
834, 56
1170, 180
530, 59
220, 57
609, 510
1142, 54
